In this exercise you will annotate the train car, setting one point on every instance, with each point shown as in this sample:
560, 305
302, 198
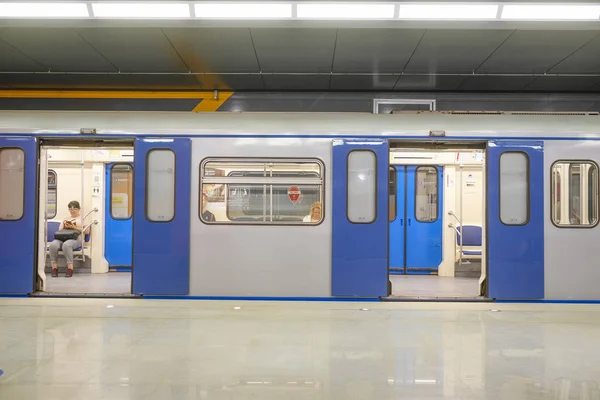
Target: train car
330, 206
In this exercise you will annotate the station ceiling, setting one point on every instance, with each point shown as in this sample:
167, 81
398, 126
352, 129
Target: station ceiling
415, 56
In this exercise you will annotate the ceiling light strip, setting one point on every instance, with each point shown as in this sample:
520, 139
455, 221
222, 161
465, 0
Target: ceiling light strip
292, 10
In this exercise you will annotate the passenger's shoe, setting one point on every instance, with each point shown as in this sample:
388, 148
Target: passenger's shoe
69, 273
55, 272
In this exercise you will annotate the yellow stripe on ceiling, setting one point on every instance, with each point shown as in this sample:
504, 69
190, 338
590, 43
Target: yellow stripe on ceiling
207, 101
210, 104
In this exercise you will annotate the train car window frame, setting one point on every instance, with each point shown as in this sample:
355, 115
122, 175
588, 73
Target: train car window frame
146, 197
376, 194
130, 209
55, 189
567, 183
437, 194
23, 180
269, 183
527, 181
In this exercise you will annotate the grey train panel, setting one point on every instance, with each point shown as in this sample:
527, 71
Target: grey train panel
570, 259
250, 260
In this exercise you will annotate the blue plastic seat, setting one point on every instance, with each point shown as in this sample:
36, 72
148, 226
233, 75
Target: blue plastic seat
472, 238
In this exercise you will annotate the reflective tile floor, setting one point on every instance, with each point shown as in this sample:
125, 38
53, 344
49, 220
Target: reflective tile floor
149, 349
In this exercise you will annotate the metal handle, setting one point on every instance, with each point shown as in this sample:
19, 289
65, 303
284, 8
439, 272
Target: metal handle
93, 211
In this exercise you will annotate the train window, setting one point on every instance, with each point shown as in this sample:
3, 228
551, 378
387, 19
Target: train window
121, 191
426, 194
51, 198
12, 184
362, 187
514, 188
261, 191
581, 191
160, 185
392, 191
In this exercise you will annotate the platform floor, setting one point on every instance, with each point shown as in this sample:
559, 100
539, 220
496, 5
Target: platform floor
427, 286
112, 282
149, 349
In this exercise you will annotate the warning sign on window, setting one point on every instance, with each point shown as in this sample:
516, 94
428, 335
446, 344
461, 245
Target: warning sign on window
295, 194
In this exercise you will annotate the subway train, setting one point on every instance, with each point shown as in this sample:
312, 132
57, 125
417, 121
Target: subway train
314, 206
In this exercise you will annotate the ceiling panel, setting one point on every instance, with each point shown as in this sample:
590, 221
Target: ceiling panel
495, 83
215, 50
294, 49
535, 51
565, 83
363, 82
135, 50
231, 82
584, 60
296, 82
374, 50
57, 49
12, 59
455, 50
442, 83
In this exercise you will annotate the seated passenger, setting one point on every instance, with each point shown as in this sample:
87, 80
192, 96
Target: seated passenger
206, 215
315, 213
73, 222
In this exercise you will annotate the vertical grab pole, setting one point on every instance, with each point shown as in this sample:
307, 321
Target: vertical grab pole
82, 211
462, 233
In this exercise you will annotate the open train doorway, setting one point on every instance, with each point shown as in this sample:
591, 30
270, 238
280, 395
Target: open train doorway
85, 218
437, 220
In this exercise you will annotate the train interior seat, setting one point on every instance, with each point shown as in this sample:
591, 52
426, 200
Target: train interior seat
471, 241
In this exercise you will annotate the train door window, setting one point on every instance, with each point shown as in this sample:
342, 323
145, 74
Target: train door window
51, 199
160, 185
121, 191
362, 187
12, 184
556, 194
261, 191
392, 189
581, 192
426, 196
514, 188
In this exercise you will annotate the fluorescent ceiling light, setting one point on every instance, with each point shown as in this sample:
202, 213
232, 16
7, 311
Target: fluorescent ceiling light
346, 11
243, 10
448, 11
43, 10
141, 10
551, 12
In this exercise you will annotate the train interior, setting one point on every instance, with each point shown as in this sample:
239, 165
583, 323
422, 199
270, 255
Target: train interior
100, 179
436, 193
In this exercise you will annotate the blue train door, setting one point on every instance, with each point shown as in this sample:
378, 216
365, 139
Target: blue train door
18, 183
515, 257
360, 218
416, 231
118, 231
161, 217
